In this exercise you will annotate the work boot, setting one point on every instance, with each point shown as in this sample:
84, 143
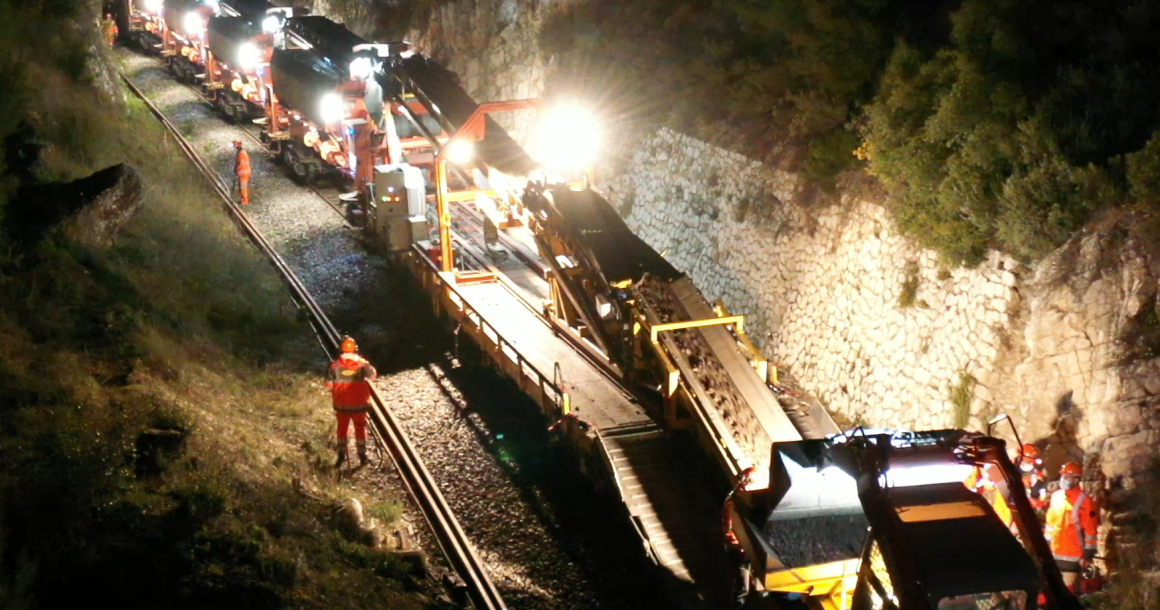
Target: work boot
362, 453
342, 457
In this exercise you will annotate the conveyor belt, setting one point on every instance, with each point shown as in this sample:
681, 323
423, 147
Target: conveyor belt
618, 251
327, 38
751, 388
245, 8
738, 407
441, 87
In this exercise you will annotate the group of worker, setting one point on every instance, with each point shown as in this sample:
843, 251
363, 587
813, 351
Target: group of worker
1071, 516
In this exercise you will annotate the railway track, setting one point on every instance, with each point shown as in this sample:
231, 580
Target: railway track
450, 535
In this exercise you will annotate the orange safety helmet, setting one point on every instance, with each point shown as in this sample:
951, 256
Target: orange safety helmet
1071, 469
237, 144
1030, 452
348, 345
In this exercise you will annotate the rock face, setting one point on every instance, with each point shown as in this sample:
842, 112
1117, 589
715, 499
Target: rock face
865, 320
89, 211
108, 199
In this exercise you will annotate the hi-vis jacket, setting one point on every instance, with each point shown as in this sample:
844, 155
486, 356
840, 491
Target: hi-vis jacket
1071, 525
242, 163
349, 382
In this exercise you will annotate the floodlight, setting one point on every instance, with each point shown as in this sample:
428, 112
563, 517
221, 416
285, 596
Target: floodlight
194, 24
331, 108
271, 24
361, 68
154, 6
460, 151
249, 56
568, 138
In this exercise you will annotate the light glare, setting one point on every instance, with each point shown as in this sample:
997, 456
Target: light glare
569, 138
271, 24
460, 151
331, 108
248, 56
194, 24
931, 474
360, 68
154, 6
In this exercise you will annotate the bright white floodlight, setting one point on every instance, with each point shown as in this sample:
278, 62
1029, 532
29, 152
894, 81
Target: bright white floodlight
568, 138
271, 24
248, 56
331, 108
460, 151
361, 68
194, 24
154, 6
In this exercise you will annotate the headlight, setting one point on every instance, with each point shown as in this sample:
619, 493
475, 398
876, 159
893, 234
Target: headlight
271, 24
331, 108
360, 68
249, 56
154, 6
194, 24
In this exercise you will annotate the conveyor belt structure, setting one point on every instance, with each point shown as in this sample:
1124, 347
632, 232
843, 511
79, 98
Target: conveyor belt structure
736, 410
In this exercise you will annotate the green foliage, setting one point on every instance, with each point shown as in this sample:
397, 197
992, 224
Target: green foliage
992, 123
1144, 173
1010, 135
961, 395
780, 80
907, 296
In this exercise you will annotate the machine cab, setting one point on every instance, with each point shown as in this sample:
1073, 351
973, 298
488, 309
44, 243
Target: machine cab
944, 548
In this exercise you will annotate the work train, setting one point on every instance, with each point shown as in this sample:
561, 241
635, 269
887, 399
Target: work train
320, 92
817, 513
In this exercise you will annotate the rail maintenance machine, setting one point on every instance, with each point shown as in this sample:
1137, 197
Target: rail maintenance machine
622, 352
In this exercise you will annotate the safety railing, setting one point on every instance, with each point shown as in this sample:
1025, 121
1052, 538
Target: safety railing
528, 376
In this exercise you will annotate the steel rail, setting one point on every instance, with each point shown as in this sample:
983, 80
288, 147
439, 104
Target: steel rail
452, 539
242, 125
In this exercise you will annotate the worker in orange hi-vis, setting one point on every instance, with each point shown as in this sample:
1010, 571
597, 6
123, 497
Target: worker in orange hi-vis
1073, 520
243, 171
1034, 478
109, 29
349, 380
984, 481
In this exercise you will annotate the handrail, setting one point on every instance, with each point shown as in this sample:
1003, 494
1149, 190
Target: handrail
557, 394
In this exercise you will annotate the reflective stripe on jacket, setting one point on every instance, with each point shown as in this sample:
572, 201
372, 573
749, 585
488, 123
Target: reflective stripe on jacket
1072, 524
242, 163
349, 382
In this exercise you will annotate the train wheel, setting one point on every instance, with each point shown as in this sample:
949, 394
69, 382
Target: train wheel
301, 170
229, 110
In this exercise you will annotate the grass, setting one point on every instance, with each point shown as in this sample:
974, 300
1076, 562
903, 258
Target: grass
907, 296
161, 420
961, 395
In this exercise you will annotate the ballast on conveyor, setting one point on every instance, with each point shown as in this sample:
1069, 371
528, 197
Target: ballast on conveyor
738, 410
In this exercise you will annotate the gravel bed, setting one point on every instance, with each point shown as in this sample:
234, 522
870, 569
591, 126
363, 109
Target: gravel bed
548, 541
